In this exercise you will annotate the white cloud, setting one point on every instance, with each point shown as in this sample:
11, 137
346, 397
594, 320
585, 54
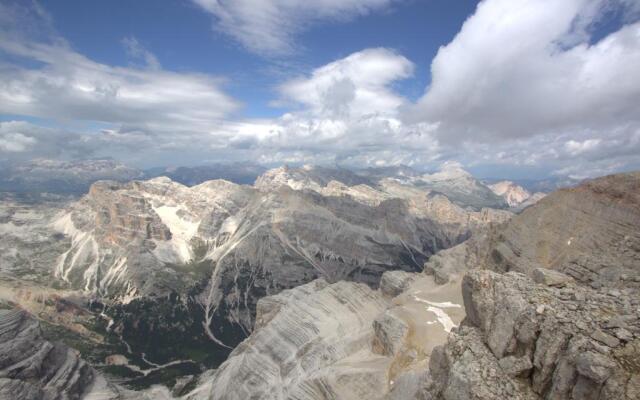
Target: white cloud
356, 85
23, 140
348, 114
269, 27
44, 77
15, 142
509, 74
137, 51
66, 85
575, 147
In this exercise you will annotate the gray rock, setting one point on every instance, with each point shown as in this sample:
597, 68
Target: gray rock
520, 321
389, 333
594, 366
32, 368
605, 338
393, 283
515, 366
550, 277
301, 352
465, 369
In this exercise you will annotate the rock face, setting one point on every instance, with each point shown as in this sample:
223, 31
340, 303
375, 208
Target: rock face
32, 368
535, 340
341, 340
515, 195
311, 342
556, 314
589, 232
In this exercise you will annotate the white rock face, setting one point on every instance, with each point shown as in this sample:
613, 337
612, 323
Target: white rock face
338, 341
514, 194
311, 342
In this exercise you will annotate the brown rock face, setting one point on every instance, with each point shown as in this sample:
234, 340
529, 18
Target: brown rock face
589, 233
121, 217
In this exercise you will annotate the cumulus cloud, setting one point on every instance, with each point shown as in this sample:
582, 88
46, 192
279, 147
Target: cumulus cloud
23, 140
521, 68
356, 85
269, 27
345, 112
15, 142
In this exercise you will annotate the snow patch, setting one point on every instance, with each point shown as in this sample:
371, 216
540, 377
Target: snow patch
182, 231
437, 308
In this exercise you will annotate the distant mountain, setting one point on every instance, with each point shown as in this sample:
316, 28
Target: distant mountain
173, 270
62, 177
460, 187
309, 177
515, 195
546, 185
241, 173
396, 171
452, 181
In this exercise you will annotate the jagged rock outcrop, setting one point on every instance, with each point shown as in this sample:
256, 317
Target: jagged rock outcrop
528, 340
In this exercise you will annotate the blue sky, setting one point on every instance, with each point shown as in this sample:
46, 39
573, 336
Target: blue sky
181, 37
505, 87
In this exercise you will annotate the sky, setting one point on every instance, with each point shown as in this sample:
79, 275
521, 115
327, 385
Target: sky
507, 88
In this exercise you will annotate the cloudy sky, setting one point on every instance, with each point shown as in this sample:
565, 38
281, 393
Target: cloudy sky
508, 88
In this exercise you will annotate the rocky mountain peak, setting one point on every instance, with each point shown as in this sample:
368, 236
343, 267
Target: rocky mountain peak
513, 193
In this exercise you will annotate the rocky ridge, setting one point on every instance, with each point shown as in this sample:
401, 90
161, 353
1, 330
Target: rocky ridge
515, 195
158, 261
555, 313
552, 309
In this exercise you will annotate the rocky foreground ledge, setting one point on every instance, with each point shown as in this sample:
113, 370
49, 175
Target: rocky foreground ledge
554, 340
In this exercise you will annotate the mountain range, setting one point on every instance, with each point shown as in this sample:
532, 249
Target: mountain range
311, 283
